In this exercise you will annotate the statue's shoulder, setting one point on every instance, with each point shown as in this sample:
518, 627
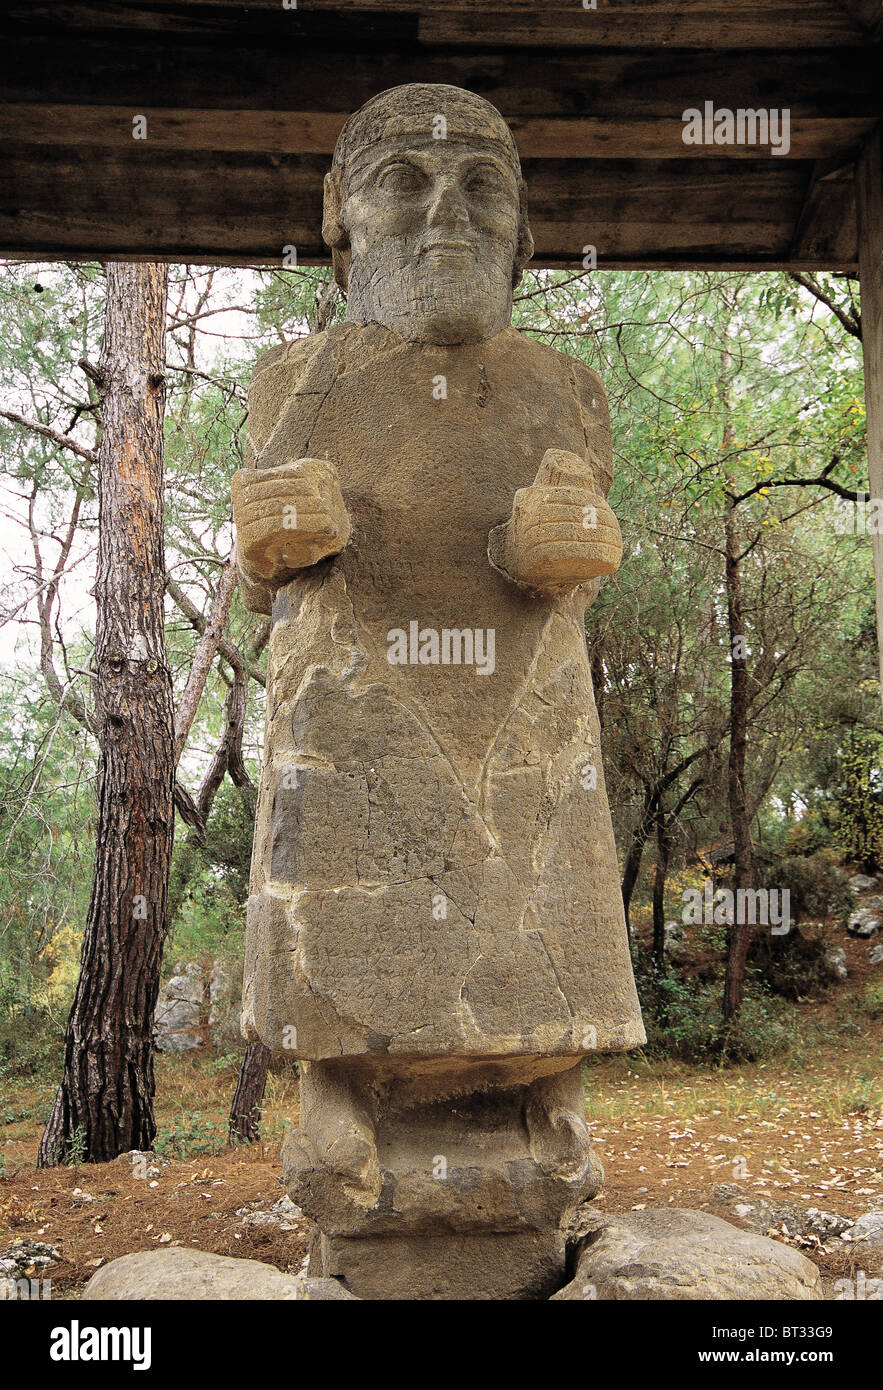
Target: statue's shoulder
585, 387
276, 377
584, 378
288, 359
307, 368
282, 368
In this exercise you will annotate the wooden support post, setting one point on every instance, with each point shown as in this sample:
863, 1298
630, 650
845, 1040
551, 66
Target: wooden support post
869, 177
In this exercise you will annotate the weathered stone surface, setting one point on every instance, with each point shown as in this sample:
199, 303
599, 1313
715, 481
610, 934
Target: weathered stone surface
178, 1016
23, 1259
462, 1150
835, 963
323, 1291
199, 1003
877, 954
181, 1273
435, 927
862, 883
381, 806
867, 1229
517, 1265
788, 1218
434, 866
225, 1002
283, 1213
864, 923
292, 517
678, 1255
587, 542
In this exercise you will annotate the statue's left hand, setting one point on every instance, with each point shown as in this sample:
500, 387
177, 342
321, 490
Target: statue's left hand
287, 518
561, 533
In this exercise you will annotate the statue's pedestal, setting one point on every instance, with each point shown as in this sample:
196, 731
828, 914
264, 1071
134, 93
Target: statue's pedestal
461, 1265
451, 1180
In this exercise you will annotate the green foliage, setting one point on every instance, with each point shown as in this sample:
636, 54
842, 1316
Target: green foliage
209, 883
191, 1136
684, 1018
817, 885
872, 999
791, 966
858, 801
31, 1040
76, 1150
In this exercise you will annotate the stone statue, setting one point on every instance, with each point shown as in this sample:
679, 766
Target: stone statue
435, 928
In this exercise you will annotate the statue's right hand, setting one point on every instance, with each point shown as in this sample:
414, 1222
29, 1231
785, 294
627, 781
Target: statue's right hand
287, 518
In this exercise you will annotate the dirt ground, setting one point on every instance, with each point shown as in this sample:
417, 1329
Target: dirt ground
804, 1132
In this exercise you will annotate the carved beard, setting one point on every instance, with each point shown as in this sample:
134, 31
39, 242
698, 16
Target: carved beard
439, 295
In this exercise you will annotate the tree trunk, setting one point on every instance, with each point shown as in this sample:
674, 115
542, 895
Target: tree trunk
632, 866
245, 1112
740, 932
663, 855
869, 198
596, 666
104, 1105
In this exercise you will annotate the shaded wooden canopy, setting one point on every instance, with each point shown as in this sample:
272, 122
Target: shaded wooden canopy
244, 102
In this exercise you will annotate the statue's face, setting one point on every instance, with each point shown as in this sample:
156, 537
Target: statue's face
433, 230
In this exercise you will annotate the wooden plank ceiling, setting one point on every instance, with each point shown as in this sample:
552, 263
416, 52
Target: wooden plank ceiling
244, 102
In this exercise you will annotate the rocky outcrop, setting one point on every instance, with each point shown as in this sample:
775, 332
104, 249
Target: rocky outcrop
678, 1255
184, 1274
199, 1005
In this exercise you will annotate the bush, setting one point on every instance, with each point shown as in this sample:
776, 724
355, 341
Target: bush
765, 1028
818, 890
31, 1041
872, 999
791, 966
190, 1136
684, 1018
859, 802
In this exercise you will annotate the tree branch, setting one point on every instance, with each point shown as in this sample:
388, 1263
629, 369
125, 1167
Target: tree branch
227, 648
821, 481
206, 649
63, 440
852, 324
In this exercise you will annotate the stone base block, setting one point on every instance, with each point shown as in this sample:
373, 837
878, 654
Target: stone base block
509, 1266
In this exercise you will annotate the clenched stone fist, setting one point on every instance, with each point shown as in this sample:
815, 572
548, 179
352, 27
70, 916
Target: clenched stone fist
561, 533
287, 518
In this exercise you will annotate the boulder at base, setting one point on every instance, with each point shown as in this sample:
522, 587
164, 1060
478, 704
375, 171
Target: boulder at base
179, 1273
679, 1254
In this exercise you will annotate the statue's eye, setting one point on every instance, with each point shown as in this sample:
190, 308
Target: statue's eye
401, 178
484, 178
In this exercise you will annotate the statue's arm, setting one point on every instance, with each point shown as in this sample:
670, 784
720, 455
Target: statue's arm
288, 514
562, 534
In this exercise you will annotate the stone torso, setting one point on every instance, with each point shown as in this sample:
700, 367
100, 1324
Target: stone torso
436, 844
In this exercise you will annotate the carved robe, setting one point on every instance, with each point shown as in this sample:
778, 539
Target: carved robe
434, 869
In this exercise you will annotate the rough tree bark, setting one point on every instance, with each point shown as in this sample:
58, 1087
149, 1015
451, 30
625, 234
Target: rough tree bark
245, 1112
663, 856
740, 932
869, 191
104, 1105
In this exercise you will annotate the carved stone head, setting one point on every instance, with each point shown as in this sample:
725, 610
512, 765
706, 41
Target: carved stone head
426, 216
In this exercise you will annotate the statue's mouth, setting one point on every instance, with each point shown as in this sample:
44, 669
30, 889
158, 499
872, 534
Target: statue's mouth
448, 246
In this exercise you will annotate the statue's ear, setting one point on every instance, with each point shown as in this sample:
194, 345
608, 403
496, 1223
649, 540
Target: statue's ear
334, 233
524, 248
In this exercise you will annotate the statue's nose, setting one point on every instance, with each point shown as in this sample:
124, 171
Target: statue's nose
448, 207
